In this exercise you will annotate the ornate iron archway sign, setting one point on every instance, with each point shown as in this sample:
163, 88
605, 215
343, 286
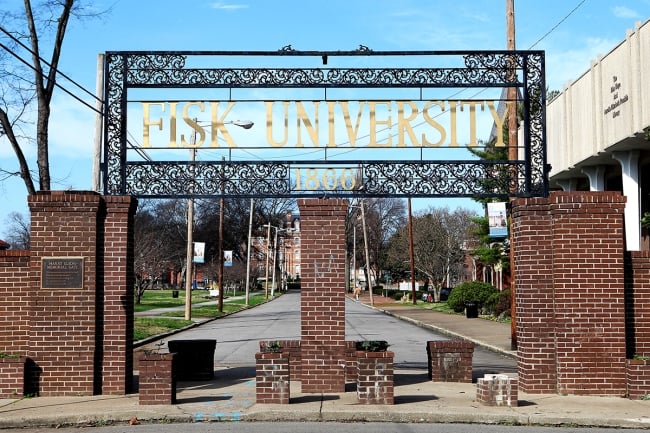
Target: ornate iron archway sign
359, 127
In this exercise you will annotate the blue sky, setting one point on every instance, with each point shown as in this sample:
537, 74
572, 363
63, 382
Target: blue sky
571, 41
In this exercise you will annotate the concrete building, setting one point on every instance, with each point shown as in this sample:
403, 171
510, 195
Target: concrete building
598, 131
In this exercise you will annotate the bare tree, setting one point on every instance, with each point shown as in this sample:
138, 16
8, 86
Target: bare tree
384, 217
438, 239
37, 22
18, 231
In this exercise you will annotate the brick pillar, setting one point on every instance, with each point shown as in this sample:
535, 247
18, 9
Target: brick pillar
588, 274
569, 262
118, 283
535, 318
322, 304
65, 319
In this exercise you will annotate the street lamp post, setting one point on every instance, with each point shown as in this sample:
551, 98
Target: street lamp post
246, 124
248, 251
268, 253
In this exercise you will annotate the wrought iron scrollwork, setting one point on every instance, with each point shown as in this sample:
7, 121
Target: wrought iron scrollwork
127, 70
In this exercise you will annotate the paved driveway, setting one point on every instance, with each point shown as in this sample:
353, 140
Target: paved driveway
238, 335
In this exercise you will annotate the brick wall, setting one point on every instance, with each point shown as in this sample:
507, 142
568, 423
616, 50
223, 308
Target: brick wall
17, 298
322, 302
569, 293
12, 377
637, 303
638, 379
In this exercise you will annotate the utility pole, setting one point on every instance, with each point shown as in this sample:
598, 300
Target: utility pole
412, 253
220, 252
268, 253
190, 251
513, 155
365, 241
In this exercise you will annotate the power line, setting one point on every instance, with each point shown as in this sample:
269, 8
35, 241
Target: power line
558, 24
19, 42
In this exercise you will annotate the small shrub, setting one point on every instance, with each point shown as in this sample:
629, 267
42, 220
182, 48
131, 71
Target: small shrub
273, 347
372, 345
499, 303
472, 291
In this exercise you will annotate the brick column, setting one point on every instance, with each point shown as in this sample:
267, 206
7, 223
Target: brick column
118, 282
535, 318
65, 320
322, 305
569, 263
588, 275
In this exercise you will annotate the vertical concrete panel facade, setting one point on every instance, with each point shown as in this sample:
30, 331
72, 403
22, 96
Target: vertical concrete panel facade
322, 305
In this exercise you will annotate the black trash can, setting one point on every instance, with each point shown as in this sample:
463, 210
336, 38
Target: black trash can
194, 358
471, 310
174, 293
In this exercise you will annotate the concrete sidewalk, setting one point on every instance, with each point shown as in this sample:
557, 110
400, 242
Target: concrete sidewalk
231, 396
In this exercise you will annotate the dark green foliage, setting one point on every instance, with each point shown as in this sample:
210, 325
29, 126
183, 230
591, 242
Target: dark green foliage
472, 291
273, 347
372, 345
499, 303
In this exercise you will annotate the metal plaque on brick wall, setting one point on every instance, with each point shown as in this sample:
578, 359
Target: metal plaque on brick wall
62, 273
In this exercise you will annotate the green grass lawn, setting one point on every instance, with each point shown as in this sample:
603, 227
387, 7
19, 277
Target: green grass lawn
145, 327
163, 299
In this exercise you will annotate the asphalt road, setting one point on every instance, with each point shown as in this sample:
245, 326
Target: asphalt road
238, 335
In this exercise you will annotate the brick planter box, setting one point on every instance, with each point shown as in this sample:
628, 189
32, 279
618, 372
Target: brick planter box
638, 379
12, 377
375, 381
272, 378
291, 349
157, 379
450, 361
